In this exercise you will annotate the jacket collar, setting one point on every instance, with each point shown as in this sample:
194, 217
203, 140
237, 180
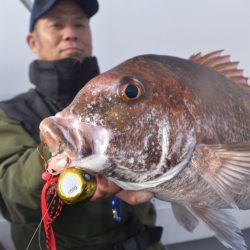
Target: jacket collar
61, 80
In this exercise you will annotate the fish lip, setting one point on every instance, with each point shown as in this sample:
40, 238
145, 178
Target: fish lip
49, 136
74, 138
94, 163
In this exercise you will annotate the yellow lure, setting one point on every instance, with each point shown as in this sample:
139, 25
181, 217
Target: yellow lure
75, 185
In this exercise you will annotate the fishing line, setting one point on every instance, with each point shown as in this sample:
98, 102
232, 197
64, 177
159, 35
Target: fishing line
39, 238
39, 226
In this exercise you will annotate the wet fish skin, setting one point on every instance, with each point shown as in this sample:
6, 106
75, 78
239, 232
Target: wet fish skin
187, 138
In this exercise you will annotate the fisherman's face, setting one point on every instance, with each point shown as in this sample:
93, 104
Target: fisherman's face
62, 32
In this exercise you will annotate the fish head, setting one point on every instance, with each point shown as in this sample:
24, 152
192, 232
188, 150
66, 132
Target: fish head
120, 124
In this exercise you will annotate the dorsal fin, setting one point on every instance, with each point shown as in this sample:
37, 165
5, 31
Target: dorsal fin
221, 64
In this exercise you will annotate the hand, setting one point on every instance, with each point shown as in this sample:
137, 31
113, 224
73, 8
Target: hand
106, 188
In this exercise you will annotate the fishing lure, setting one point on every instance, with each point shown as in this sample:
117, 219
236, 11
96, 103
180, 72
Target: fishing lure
73, 185
76, 185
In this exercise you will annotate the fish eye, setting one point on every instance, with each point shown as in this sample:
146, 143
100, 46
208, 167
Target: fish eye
130, 92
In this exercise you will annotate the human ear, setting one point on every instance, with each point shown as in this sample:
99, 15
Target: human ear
32, 42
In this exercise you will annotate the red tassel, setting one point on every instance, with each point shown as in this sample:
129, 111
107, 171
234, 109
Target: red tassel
49, 215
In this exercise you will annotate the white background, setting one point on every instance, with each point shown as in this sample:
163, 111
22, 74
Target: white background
126, 28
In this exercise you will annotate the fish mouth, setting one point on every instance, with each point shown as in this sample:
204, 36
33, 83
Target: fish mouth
70, 140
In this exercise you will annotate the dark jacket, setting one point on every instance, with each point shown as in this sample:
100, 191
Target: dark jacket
88, 226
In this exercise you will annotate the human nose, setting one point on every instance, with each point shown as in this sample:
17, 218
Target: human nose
70, 34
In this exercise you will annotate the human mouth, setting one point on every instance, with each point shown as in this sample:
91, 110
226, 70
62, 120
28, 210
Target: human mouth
84, 144
72, 49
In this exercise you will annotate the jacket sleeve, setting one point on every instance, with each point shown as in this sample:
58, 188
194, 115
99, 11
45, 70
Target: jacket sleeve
20, 173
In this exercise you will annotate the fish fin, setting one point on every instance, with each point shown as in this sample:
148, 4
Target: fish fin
184, 217
225, 167
224, 226
223, 65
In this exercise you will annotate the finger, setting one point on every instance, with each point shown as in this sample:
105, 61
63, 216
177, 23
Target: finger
104, 188
135, 197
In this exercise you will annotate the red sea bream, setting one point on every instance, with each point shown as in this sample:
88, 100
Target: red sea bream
178, 128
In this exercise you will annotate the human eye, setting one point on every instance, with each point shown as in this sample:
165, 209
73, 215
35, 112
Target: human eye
55, 25
80, 25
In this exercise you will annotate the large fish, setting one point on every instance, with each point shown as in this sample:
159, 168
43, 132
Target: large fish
178, 128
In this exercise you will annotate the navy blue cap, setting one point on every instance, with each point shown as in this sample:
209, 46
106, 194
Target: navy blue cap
90, 7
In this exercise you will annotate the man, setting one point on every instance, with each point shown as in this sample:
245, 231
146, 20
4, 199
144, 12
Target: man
60, 36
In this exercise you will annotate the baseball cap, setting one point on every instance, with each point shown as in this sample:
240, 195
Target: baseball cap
90, 7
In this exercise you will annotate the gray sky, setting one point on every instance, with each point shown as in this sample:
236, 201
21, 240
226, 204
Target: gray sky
126, 28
